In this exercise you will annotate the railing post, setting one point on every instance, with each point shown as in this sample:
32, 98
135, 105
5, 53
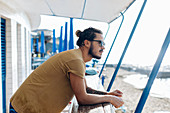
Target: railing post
125, 49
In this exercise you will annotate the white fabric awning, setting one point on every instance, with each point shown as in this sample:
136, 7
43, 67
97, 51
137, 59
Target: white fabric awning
98, 10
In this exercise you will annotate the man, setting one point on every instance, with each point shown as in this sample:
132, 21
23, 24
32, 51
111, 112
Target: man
52, 85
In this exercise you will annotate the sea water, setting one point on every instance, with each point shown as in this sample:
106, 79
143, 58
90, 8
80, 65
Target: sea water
160, 87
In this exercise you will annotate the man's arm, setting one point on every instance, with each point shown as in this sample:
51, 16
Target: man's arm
79, 87
93, 91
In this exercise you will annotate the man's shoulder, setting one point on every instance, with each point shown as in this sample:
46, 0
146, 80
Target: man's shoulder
74, 54
69, 55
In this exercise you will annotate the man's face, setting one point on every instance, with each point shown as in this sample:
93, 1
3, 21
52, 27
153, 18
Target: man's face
97, 46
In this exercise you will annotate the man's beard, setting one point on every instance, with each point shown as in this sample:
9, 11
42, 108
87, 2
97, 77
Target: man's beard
92, 54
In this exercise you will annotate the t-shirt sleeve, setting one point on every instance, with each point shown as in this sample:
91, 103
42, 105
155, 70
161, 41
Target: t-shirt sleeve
76, 67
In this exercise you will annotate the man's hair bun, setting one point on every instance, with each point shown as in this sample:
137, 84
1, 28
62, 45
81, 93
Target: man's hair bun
87, 34
78, 32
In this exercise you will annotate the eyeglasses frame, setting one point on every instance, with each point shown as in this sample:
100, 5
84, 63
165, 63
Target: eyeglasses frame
102, 44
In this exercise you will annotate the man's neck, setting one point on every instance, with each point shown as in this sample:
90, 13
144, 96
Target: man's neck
86, 56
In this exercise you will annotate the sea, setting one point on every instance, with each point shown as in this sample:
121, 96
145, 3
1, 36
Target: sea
161, 85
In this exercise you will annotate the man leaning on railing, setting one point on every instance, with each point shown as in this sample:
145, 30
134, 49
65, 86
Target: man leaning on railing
51, 86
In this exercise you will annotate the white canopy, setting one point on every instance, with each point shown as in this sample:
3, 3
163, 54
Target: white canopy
98, 10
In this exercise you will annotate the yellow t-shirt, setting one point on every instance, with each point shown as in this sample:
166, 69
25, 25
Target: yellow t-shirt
48, 88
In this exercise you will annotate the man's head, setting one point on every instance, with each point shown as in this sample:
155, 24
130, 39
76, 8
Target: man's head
92, 39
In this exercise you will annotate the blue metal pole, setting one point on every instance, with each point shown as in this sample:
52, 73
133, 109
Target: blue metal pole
54, 42
153, 74
83, 9
125, 49
71, 41
61, 40
65, 40
37, 47
32, 44
42, 43
103, 77
112, 45
107, 31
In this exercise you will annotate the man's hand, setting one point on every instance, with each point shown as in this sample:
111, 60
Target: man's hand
116, 93
116, 101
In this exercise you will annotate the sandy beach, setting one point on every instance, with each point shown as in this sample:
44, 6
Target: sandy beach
131, 95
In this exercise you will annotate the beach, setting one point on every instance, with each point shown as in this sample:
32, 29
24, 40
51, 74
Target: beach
131, 95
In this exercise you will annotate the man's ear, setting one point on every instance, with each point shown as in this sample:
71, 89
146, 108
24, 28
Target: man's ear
87, 43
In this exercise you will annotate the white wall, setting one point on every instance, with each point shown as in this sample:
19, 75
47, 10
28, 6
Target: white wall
18, 49
29, 52
20, 55
26, 52
11, 58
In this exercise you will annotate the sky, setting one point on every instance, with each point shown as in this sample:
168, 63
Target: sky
146, 42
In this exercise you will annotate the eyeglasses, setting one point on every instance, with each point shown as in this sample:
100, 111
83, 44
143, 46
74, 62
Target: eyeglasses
100, 42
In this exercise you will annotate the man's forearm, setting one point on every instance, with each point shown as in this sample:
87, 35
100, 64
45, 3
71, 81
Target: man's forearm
92, 91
